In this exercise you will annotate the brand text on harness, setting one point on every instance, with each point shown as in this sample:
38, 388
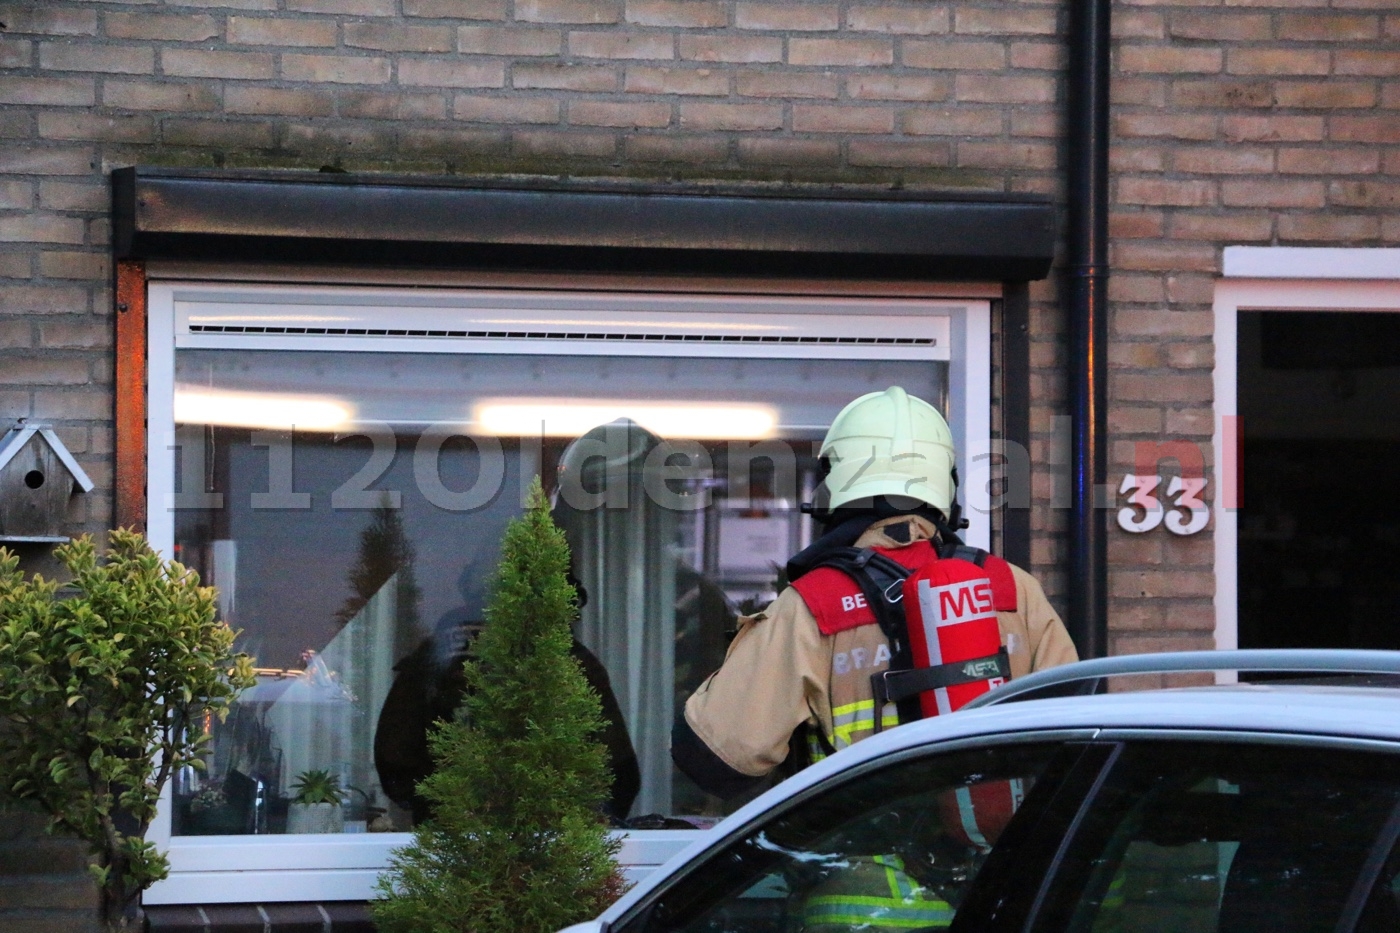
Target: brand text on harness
960, 602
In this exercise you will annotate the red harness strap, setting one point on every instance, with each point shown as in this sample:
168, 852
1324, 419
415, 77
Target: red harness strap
838, 604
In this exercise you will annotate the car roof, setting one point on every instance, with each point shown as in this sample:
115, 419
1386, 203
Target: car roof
1352, 711
1285, 710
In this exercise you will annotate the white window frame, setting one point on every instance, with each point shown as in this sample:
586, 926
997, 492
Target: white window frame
242, 869
1278, 278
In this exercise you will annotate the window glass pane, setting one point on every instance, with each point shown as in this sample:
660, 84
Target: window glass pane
894, 850
349, 507
1228, 839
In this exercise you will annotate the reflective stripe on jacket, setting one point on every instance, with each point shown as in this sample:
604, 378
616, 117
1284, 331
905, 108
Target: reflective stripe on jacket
853, 722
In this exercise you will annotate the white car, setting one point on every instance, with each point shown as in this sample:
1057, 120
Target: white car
1214, 809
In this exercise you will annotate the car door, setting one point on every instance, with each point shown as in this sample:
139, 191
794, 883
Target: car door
1233, 834
919, 841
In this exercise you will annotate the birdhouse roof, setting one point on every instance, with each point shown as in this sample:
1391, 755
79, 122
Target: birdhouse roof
21, 434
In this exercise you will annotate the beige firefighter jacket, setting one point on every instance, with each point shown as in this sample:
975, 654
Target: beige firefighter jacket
781, 671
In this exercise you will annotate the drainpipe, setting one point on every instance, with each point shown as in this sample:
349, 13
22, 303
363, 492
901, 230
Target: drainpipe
1087, 290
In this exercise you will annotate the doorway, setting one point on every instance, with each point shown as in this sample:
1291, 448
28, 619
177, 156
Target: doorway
1319, 521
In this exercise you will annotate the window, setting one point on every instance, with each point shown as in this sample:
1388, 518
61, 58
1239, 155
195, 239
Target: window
898, 848
341, 463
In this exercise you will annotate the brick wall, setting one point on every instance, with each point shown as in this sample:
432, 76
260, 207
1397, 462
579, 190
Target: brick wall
1248, 122
878, 93
44, 882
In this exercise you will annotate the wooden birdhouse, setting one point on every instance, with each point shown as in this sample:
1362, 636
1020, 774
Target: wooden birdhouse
37, 478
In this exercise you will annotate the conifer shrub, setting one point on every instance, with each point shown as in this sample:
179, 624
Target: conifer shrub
516, 842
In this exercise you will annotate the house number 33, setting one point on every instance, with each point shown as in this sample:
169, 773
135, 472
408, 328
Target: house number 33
1186, 516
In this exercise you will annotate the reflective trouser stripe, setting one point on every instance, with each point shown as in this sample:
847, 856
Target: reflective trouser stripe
859, 717
904, 908
879, 912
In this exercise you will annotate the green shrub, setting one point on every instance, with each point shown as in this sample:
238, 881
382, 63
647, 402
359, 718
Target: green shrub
517, 842
104, 687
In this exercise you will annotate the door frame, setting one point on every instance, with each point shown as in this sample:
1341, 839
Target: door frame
1274, 278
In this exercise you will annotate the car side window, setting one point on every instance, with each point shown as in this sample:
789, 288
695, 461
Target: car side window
896, 848
1228, 838
1381, 911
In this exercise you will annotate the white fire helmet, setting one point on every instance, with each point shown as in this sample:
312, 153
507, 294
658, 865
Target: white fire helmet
888, 444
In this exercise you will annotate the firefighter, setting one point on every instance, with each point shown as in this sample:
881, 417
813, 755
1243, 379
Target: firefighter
801, 665
796, 682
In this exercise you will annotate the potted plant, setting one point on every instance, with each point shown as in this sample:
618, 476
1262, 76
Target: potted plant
316, 803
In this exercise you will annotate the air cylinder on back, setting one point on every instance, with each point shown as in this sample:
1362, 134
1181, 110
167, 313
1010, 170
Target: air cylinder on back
951, 617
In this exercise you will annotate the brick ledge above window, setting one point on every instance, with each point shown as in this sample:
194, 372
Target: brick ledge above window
488, 223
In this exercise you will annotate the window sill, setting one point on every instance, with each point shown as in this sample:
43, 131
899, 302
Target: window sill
344, 867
